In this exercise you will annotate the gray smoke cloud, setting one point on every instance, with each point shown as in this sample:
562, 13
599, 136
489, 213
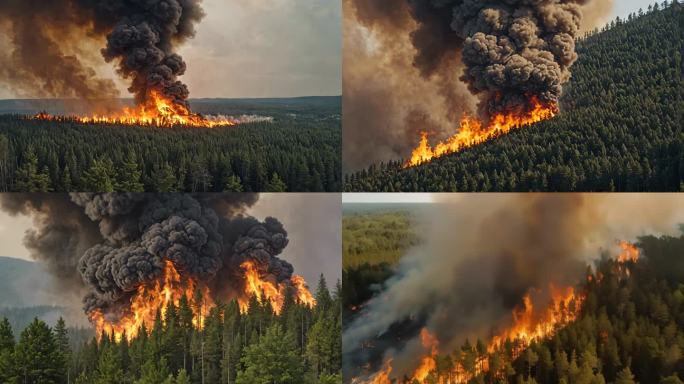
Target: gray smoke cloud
482, 255
108, 245
47, 40
419, 65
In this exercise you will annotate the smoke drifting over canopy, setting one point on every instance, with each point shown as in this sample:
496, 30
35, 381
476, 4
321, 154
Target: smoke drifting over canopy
50, 46
108, 245
429, 61
482, 254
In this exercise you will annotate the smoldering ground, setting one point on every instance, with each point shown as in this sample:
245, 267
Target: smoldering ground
52, 47
482, 254
412, 66
103, 246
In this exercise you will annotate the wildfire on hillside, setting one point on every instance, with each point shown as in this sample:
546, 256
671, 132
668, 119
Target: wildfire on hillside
154, 298
530, 323
157, 112
472, 132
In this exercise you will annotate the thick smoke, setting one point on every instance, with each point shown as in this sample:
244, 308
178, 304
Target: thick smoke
482, 254
418, 65
107, 245
47, 39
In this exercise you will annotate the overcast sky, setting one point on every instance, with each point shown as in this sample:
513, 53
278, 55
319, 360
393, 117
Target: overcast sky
313, 222
260, 48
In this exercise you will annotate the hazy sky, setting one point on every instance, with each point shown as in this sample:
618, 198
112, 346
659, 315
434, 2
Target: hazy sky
260, 48
313, 222
623, 8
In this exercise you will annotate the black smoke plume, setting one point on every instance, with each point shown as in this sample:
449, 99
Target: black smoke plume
107, 245
46, 40
513, 50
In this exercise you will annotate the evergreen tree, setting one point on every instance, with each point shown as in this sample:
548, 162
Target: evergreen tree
38, 359
128, 176
273, 359
28, 177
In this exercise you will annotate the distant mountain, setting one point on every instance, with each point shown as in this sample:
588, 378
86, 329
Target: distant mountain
24, 284
620, 128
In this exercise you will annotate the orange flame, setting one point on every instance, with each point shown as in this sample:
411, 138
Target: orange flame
257, 287
158, 112
529, 324
629, 252
154, 297
151, 299
471, 132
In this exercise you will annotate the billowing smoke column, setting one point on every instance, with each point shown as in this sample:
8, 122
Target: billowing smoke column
46, 40
109, 245
481, 257
513, 51
415, 66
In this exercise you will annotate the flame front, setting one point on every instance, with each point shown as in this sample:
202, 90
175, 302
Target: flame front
257, 287
158, 111
529, 324
154, 297
472, 132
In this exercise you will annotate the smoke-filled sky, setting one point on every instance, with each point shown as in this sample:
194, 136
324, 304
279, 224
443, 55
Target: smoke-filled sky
315, 240
483, 252
255, 48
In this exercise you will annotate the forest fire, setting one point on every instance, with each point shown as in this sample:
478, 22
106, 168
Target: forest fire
629, 252
257, 287
171, 287
157, 112
529, 324
472, 132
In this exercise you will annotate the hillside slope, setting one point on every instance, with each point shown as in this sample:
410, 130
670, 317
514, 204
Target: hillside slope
23, 283
620, 128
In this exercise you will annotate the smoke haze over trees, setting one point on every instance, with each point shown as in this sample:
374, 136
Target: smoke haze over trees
475, 266
619, 129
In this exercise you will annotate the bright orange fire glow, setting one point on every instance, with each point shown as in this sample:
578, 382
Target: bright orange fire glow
158, 112
629, 252
529, 324
272, 291
170, 287
472, 132
153, 298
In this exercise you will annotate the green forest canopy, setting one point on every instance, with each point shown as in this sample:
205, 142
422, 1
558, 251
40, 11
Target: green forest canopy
299, 151
620, 128
300, 345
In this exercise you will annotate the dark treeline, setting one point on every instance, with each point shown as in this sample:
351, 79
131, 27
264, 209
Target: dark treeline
293, 154
620, 128
300, 345
630, 330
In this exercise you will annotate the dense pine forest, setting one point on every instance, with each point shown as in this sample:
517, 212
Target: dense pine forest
300, 345
298, 151
631, 330
619, 129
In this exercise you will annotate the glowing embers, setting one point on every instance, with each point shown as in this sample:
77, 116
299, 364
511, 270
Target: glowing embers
471, 132
158, 112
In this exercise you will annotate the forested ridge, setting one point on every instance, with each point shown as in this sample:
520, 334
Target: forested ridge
630, 330
619, 129
298, 151
630, 327
300, 345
